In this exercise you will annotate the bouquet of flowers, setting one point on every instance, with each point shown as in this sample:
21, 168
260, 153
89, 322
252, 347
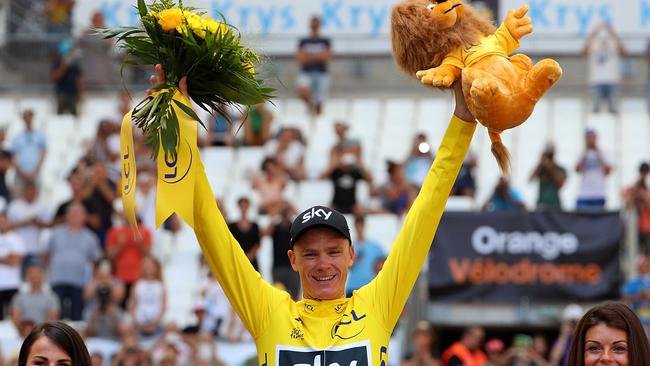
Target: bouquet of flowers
220, 70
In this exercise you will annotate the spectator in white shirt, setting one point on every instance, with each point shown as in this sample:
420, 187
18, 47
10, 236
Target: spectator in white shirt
28, 216
12, 251
594, 166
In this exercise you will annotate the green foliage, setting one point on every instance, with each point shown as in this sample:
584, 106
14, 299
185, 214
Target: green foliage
218, 67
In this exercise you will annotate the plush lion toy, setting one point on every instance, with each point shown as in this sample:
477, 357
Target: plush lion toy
437, 41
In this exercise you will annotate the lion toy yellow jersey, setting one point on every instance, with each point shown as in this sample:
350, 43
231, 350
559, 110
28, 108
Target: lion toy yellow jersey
437, 41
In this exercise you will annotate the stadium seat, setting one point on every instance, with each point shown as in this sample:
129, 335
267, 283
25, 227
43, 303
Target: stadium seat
181, 276
396, 130
248, 162
291, 191
318, 149
431, 118
459, 203
100, 107
9, 114
635, 106
237, 190
275, 106
382, 228
218, 162
567, 131
487, 171
365, 125
265, 256
60, 131
314, 192
336, 109
635, 134
530, 138
294, 108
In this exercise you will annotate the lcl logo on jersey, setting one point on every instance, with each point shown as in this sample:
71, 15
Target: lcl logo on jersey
316, 213
350, 326
351, 355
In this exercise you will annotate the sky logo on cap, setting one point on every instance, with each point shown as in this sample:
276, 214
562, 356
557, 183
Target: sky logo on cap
316, 213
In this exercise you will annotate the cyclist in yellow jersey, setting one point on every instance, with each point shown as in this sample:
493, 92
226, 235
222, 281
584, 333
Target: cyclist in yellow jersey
325, 328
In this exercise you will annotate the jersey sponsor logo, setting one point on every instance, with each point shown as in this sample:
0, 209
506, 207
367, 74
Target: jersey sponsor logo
355, 354
316, 213
349, 328
296, 333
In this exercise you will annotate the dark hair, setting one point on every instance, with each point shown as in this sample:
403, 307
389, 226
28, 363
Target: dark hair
63, 336
615, 315
266, 162
391, 166
644, 167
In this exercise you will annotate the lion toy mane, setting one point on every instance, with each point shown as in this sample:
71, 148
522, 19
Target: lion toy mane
438, 41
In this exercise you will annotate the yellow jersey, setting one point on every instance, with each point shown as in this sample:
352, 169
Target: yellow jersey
500, 43
352, 331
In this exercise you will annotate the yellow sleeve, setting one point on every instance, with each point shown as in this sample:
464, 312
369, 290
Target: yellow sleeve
389, 291
505, 39
250, 295
454, 58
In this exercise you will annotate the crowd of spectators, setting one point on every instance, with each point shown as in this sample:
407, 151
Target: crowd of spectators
82, 262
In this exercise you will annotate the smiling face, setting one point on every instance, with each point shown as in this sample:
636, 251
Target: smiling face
445, 13
322, 257
605, 345
44, 352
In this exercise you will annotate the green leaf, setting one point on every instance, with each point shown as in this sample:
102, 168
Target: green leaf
142, 8
187, 110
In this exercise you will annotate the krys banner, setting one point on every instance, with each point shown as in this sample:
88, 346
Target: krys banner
543, 256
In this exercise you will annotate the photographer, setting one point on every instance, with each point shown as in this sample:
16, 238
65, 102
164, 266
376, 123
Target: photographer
551, 178
103, 294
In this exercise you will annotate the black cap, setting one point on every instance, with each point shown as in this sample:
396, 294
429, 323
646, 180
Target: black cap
319, 216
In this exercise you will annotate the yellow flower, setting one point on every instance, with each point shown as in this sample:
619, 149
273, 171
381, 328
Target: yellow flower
248, 66
195, 23
215, 26
170, 19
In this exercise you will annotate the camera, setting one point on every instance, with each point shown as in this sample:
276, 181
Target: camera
104, 296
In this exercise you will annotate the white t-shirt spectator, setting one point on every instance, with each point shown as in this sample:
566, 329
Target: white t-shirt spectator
593, 184
10, 244
604, 60
19, 211
290, 158
149, 301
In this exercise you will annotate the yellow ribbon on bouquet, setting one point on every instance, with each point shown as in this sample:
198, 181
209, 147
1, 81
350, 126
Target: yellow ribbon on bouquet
176, 175
128, 183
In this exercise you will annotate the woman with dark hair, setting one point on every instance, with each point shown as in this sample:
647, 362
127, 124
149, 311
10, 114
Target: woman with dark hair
610, 334
54, 343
